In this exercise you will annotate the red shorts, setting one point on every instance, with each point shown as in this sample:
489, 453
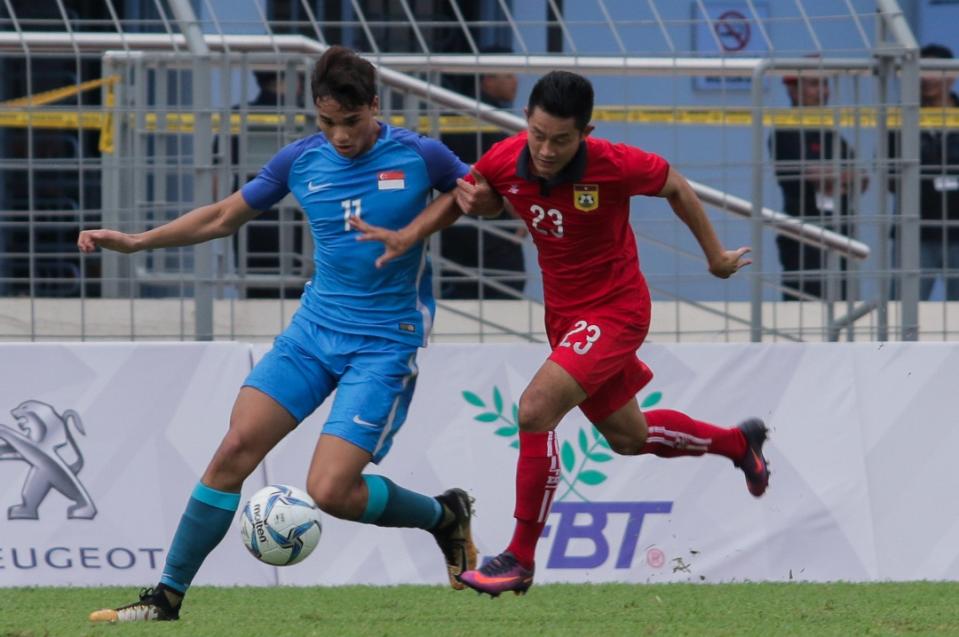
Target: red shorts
598, 349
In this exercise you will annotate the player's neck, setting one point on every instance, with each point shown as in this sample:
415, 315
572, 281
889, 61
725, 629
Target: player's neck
536, 173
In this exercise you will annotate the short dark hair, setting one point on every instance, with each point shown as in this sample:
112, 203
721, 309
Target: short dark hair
936, 51
563, 94
344, 76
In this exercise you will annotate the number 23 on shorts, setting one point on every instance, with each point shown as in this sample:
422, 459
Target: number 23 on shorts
592, 335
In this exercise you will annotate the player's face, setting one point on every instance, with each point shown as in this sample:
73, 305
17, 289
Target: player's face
500, 86
352, 132
934, 91
813, 92
553, 141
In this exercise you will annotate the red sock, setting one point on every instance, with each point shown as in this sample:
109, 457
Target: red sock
537, 476
673, 433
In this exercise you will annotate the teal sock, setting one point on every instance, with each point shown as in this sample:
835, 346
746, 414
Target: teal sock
391, 505
206, 520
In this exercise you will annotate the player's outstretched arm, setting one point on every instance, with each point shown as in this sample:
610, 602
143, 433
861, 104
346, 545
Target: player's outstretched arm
219, 219
682, 198
441, 213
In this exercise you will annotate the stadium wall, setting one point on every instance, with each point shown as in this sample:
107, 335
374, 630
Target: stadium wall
105, 441
259, 320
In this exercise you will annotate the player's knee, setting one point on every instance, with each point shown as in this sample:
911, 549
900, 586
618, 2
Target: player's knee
534, 411
234, 444
631, 445
329, 497
232, 462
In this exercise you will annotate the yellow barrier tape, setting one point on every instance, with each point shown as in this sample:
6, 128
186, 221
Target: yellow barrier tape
105, 144
933, 118
13, 115
57, 94
868, 117
183, 122
59, 121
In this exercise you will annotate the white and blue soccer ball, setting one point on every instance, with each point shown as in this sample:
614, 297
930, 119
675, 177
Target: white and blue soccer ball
280, 525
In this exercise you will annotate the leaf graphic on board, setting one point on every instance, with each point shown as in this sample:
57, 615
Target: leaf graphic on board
568, 456
591, 477
651, 400
473, 399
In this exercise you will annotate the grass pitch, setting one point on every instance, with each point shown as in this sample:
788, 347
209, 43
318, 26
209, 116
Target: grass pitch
916, 608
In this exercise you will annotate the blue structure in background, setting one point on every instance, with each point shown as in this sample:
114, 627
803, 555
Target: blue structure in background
726, 161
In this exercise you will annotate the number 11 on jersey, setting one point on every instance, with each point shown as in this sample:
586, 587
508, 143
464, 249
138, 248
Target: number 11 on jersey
351, 208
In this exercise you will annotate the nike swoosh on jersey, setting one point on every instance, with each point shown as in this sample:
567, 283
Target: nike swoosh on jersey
317, 187
365, 423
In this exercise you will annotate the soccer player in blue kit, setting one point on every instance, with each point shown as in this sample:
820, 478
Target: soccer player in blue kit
357, 330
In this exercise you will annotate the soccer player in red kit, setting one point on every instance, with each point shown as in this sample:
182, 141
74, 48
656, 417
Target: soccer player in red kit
573, 192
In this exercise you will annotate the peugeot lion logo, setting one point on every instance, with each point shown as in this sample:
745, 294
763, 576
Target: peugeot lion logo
47, 445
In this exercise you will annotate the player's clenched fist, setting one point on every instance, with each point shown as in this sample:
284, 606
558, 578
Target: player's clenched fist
90, 240
477, 198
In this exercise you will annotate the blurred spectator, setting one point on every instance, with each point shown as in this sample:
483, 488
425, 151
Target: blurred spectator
268, 83
263, 234
271, 89
812, 188
939, 184
502, 259
269, 98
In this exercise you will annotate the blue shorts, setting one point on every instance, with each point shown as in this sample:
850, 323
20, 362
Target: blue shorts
374, 378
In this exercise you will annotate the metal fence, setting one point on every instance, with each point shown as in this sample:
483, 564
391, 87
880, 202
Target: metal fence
129, 122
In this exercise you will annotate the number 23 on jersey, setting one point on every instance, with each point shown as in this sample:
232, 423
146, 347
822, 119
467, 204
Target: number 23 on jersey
592, 335
554, 216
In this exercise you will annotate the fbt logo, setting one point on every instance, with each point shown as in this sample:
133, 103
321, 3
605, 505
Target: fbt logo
586, 523
45, 443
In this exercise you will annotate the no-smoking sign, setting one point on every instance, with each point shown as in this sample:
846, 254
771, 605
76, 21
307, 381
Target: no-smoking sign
733, 30
726, 29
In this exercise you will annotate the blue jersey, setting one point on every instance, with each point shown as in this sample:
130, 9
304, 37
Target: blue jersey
386, 186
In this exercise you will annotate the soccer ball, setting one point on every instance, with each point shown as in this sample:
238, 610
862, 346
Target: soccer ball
280, 525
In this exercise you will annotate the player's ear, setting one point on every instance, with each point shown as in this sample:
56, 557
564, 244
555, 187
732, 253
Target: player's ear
375, 104
589, 129
526, 112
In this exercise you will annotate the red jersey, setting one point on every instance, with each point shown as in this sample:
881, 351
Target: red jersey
579, 219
